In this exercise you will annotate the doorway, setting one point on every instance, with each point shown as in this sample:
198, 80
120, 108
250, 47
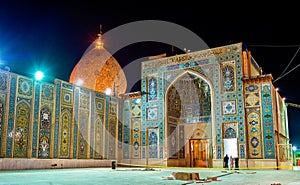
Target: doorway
199, 152
230, 147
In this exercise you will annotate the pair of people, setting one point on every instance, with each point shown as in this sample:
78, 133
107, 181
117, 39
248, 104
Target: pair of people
228, 162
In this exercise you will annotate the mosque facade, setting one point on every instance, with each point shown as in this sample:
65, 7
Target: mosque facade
192, 110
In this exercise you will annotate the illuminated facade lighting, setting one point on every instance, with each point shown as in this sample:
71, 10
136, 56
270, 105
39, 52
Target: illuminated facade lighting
39, 75
108, 91
99, 42
79, 82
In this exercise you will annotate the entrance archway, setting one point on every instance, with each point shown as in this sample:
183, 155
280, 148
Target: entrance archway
188, 103
199, 149
230, 142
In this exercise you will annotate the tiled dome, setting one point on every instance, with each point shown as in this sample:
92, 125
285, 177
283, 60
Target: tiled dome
99, 70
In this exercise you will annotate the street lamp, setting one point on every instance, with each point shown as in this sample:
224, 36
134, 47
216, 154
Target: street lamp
147, 145
294, 155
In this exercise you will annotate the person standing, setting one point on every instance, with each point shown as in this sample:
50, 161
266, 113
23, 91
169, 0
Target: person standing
226, 158
231, 162
236, 163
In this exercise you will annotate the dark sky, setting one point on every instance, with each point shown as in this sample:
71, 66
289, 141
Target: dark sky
53, 36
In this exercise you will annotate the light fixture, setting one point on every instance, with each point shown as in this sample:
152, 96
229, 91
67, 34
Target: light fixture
79, 82
277, 89
108, 91
39, 75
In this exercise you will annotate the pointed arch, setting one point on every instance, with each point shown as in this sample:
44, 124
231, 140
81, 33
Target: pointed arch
193, 73
229, 133
180, 130
200, 76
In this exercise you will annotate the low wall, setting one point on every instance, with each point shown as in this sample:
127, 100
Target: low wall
178, 163
262, 164
217, 163
142, 162
253, 164
285, 165
24, 164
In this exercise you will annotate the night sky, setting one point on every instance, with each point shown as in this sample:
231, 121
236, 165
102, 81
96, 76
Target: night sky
52, 37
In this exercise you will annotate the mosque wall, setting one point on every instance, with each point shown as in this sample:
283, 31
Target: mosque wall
260, 119
281, 137
222, 68
3, 112
45, 121
20, 115
135, 128
126, 130
267, 120
63, 121
243, 109
282, 115
130, 146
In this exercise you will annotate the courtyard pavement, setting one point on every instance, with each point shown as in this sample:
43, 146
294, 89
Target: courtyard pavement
140, 176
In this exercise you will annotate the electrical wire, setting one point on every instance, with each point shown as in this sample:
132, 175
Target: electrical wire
289, 63
280, 46
274, 46
286, 73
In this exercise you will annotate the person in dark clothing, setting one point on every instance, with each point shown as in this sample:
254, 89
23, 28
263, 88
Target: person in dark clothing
226, 158
236, 163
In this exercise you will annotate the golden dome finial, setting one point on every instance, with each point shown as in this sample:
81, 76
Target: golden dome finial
99, 42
